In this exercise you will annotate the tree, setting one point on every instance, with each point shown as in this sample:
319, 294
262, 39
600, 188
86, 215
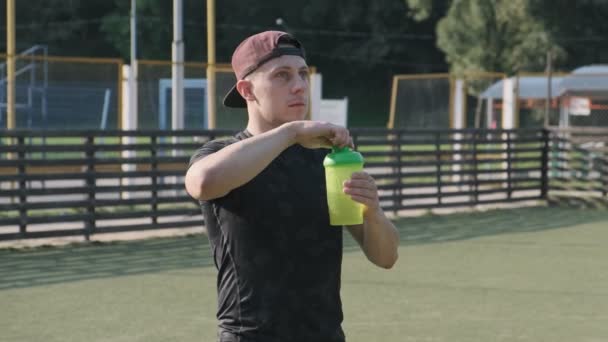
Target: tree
494, 35
508, 35
67, 27
421, 10
357, 45
155, 28
579, 27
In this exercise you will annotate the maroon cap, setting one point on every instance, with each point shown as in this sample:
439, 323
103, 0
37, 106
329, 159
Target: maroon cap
255, 51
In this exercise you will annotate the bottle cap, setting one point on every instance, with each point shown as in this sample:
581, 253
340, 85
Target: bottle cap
342, 156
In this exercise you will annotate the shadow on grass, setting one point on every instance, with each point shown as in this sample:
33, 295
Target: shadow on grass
463, 226
53, 265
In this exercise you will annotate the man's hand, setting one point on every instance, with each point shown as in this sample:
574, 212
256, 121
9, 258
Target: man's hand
314, 134
377, 236
362, 188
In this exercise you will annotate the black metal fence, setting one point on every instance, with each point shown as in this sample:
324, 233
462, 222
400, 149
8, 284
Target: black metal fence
61, 183
578, 165
418, 169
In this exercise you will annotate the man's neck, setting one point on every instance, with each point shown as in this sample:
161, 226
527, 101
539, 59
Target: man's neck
256, 127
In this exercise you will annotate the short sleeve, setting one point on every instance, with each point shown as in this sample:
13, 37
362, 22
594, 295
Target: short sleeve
210, 148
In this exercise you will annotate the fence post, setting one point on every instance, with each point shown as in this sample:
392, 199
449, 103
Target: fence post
397, 192
154, 177
22, 186
438, 162
604, 175
475, 169
544, 173
509, 166
127, 140
90, 183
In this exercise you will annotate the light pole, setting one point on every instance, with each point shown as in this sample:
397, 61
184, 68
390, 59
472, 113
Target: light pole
10, 64
211, 108
177, 70
133, 31
132, 121
549, 71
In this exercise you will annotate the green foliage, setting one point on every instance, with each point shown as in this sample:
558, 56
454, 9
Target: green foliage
420, 9
67, 27
496, 35
357, 45
154, 28
506, 36
579, 27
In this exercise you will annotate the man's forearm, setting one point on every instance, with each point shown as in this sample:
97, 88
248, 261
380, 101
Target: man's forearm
217, 174
378, 238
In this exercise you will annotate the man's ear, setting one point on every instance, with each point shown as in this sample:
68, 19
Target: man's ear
245, 88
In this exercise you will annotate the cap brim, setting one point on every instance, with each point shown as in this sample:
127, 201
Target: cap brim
234, 100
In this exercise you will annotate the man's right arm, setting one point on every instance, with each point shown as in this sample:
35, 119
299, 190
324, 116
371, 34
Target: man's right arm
234, 165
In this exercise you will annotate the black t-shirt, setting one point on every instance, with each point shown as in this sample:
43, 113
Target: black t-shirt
278, 258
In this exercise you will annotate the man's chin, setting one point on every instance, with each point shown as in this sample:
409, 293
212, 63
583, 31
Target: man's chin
298, 113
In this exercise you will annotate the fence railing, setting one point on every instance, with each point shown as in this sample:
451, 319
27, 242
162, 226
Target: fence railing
417, 169
60, 183
68, 183
579, 163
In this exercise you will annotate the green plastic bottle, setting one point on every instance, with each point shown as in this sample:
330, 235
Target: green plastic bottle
339, 165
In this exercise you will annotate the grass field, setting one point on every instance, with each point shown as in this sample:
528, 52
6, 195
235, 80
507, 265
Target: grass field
530, 274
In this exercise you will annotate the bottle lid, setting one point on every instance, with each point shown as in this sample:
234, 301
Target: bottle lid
342, 156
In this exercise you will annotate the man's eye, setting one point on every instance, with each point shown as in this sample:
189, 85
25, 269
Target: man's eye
283, 75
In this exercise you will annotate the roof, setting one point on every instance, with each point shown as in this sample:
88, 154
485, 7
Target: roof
530, 87
591, 78
592, 69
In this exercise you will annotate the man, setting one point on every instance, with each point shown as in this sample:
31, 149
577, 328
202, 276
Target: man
263, 198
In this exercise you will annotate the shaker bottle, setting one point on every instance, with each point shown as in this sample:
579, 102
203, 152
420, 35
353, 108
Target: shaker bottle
339, 165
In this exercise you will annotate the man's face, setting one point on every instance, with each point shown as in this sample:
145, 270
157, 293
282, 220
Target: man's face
280, 88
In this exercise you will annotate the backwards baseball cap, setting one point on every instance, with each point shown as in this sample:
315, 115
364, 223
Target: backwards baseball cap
253, 52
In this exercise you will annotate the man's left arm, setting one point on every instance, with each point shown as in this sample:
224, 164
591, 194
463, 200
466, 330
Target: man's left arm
377, 236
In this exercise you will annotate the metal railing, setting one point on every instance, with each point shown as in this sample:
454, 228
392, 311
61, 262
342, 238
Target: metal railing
428, 168
579, 163
69, 183
92, 182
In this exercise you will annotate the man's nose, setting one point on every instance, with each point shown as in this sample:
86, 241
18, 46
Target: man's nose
300, 84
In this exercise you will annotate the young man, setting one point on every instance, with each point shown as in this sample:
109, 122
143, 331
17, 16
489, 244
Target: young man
263, 198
